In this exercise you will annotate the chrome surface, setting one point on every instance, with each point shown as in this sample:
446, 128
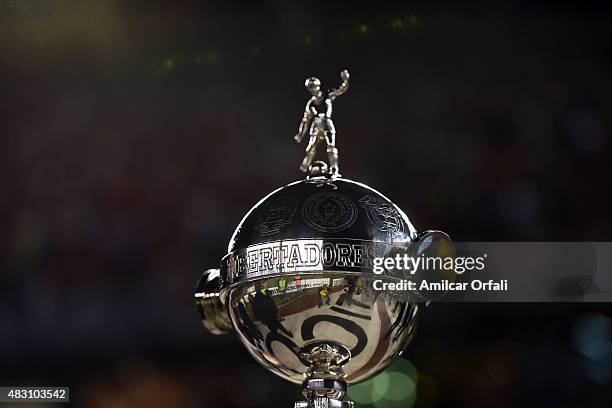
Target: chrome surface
304, 256
324, 393
212, 312
299, 273
323, 207
278, 321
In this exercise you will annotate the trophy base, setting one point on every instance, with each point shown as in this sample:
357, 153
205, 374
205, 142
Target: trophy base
322, 393
324, 402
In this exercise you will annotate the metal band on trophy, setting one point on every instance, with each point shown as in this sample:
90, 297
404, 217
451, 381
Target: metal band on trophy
296, 283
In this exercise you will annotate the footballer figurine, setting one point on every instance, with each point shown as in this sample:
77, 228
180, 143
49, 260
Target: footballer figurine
317, 122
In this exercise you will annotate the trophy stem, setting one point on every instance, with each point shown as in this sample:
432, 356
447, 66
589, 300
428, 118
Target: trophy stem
324, 386
322, 393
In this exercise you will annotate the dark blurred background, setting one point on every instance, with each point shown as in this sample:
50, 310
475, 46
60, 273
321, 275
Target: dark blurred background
135, 135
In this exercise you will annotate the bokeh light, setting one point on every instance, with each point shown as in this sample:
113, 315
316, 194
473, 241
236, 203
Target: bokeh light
394, 387
592, 337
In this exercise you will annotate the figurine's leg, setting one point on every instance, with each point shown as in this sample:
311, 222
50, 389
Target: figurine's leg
330, 134
311, 150
332, 152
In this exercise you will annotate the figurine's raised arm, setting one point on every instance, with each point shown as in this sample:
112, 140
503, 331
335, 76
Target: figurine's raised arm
333, 94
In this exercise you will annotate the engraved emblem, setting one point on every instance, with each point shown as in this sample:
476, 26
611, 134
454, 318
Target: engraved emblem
383, 215
277, 215
329, 212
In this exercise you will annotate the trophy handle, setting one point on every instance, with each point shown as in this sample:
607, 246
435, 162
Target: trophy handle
433, 244
430, 243
425, 239
213, 312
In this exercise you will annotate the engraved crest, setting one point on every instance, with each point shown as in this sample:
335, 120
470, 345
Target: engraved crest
329, 212
277, 215
383, 215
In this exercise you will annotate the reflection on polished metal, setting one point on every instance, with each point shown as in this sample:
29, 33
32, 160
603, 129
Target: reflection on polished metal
212, 312
297, 282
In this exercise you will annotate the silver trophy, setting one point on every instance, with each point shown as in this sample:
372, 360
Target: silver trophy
297, 282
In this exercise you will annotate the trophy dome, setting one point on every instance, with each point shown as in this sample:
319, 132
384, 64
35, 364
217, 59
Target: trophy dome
320, 208
297, 280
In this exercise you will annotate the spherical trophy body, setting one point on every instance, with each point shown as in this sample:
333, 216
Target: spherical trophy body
298, 284
309, 249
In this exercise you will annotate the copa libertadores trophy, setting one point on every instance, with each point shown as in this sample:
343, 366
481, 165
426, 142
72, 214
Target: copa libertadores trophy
296, 283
